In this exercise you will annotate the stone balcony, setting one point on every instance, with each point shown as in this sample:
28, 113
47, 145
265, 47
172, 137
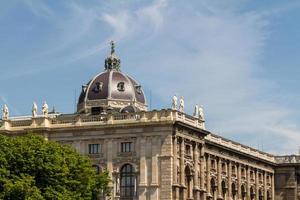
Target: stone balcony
16, 124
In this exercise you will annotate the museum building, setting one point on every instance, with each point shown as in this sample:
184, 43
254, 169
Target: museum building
158, 154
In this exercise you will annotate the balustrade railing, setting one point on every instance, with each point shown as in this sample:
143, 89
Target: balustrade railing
19, 123
288, 159
239, 147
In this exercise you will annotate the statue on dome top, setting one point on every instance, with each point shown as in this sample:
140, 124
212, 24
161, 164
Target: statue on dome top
5, 112
112, 62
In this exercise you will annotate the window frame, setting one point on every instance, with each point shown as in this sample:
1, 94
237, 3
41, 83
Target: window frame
126, 147
127, 182
94, 148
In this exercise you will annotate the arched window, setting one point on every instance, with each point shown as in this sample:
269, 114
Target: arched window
127, 185
243, 172
233, 170
213, 187
224, 189
243, 192
233, 191
223, 167
260, 194
213, 164
252, 193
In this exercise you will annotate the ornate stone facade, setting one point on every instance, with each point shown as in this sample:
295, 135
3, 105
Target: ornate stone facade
172, 156
159, 154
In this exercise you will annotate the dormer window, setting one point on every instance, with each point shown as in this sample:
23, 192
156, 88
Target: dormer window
138, 89
98, 87
121, 86
84, 88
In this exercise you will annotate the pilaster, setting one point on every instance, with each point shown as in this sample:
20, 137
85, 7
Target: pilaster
208, 186
229, 180
219, 179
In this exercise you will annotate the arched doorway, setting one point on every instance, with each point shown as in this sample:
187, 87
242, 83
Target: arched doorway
213, 189
243, 192
252, 193
224, 189
127, 182
260, 194
188, 184
233, 191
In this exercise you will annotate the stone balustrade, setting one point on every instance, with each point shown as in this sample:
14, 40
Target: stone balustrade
165, 115
288, 159
76, 120
240, 148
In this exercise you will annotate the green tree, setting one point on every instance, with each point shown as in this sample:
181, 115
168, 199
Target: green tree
32, 168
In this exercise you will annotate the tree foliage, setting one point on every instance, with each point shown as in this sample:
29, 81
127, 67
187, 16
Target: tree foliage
32, 168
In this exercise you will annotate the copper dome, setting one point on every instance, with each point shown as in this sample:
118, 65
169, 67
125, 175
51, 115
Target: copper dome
111, 90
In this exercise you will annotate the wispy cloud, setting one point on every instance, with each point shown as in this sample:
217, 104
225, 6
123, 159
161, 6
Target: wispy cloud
208, 51
214, 57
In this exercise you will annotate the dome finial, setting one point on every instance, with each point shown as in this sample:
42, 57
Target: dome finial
112, 43
112, 62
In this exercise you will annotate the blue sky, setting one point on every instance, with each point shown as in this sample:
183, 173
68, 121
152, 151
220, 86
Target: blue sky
238, 58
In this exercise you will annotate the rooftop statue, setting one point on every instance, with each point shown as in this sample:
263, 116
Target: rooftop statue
45, 109
181, 104
174, 102
196, 111
34, 109
201, 113
5, 112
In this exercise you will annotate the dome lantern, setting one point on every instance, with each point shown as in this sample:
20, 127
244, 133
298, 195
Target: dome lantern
112, 62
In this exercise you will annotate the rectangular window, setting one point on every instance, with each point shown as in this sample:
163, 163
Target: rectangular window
94, 148
126, 147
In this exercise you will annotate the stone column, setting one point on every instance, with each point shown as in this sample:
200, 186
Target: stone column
208, 186
273, 186
196, 180
229, 180
175, 174
202, 175
154, 174
248, 183
256, 184
202, 160
143, 170
117, 186
166, 168
175, 160
182, 178
219, 178
265, 185
239, 183
109, 160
